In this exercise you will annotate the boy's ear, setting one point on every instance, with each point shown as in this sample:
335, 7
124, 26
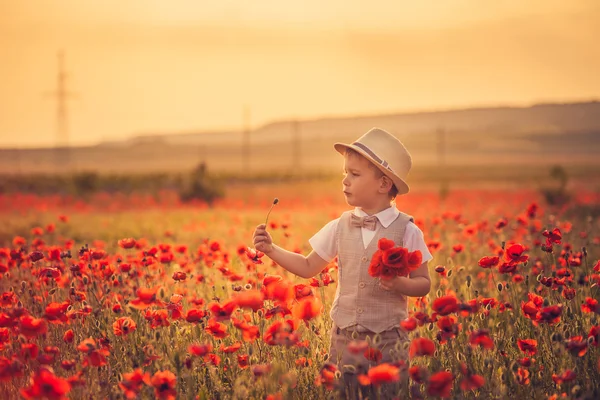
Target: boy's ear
386, 184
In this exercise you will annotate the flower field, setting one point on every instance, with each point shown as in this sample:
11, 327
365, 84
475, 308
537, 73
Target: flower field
138, 297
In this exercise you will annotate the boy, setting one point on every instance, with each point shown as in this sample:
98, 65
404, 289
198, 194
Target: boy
365, 310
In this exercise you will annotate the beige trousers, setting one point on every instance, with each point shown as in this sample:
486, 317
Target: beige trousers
393, 345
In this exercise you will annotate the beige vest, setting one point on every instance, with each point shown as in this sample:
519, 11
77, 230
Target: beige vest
359, 299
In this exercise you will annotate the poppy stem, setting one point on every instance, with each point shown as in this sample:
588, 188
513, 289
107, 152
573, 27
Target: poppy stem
275, 201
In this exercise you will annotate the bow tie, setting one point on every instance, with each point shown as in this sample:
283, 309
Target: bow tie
364, 222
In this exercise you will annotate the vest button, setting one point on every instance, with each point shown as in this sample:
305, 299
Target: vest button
359, 310
361, 285
364, 258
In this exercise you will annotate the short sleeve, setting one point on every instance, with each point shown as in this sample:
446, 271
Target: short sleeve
323, 242
413, 240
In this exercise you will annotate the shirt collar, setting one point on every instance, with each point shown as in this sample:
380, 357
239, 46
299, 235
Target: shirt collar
385, 217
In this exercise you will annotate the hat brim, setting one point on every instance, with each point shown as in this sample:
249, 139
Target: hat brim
402, 186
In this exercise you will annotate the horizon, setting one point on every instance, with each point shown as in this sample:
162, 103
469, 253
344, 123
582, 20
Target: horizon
142, 68
230, 130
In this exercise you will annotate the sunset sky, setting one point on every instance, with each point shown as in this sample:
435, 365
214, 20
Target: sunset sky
151, 66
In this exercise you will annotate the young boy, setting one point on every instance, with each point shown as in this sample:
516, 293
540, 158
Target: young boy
365, 309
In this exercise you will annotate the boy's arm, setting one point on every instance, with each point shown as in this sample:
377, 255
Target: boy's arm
297, 264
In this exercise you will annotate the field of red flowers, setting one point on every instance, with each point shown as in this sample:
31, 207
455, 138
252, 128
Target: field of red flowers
138, 297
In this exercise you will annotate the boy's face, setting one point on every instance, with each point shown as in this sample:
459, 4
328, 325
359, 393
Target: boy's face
360, 183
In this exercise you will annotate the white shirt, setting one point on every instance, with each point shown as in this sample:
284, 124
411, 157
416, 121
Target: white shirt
323, 242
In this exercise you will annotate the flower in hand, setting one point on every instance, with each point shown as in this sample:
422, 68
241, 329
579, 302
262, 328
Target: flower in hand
389, 261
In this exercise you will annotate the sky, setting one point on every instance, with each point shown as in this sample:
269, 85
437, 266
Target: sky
151, 67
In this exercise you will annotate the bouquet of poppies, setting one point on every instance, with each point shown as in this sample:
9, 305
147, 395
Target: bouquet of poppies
390, 261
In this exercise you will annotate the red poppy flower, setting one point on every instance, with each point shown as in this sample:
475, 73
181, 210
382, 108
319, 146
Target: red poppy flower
127, 243
68, 336
195, 315
254, 255
222, 313
164, 385
278, 289
36, 256
523, 376
470, 381
56, 312
528, 346
421, 347
376, 265
440, 384
554, 236
515, 253
409, 324
307, 308
261, 370
44, 384
179, 276
282, 333
357, 346
590, 305
146, 297
481, 338
230, 349
249, 332
301, 290
216, 329
550, 315
133, 382
200, 350
567, 376
445, 305
252, 299
373, 354
489, 262
123, 326
96, 354
380, 374
395, 257
577, 346
32, 327
414, 260
384, 244
327, 376
458, 248
242, 360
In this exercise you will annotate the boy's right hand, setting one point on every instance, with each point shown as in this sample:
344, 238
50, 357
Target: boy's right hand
262, 239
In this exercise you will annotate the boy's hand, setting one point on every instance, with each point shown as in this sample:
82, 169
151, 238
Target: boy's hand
262, 239
395, 284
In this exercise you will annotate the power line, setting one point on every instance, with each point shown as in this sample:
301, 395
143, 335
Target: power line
62, 94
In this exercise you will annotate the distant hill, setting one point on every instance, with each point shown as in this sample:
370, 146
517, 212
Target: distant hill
540, 134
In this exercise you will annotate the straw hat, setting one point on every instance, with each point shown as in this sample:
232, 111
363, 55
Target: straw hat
386, 152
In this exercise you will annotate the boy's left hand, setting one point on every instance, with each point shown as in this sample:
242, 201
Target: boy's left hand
394, 284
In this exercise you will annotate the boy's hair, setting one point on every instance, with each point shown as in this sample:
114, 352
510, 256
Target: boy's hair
378, 173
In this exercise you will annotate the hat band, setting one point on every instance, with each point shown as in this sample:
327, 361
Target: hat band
383, 163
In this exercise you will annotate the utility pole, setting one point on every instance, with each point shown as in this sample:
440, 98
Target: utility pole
296, 153
62, 150
246, 140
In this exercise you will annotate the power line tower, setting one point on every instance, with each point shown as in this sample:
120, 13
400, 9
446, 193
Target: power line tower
296, 142
61, 94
